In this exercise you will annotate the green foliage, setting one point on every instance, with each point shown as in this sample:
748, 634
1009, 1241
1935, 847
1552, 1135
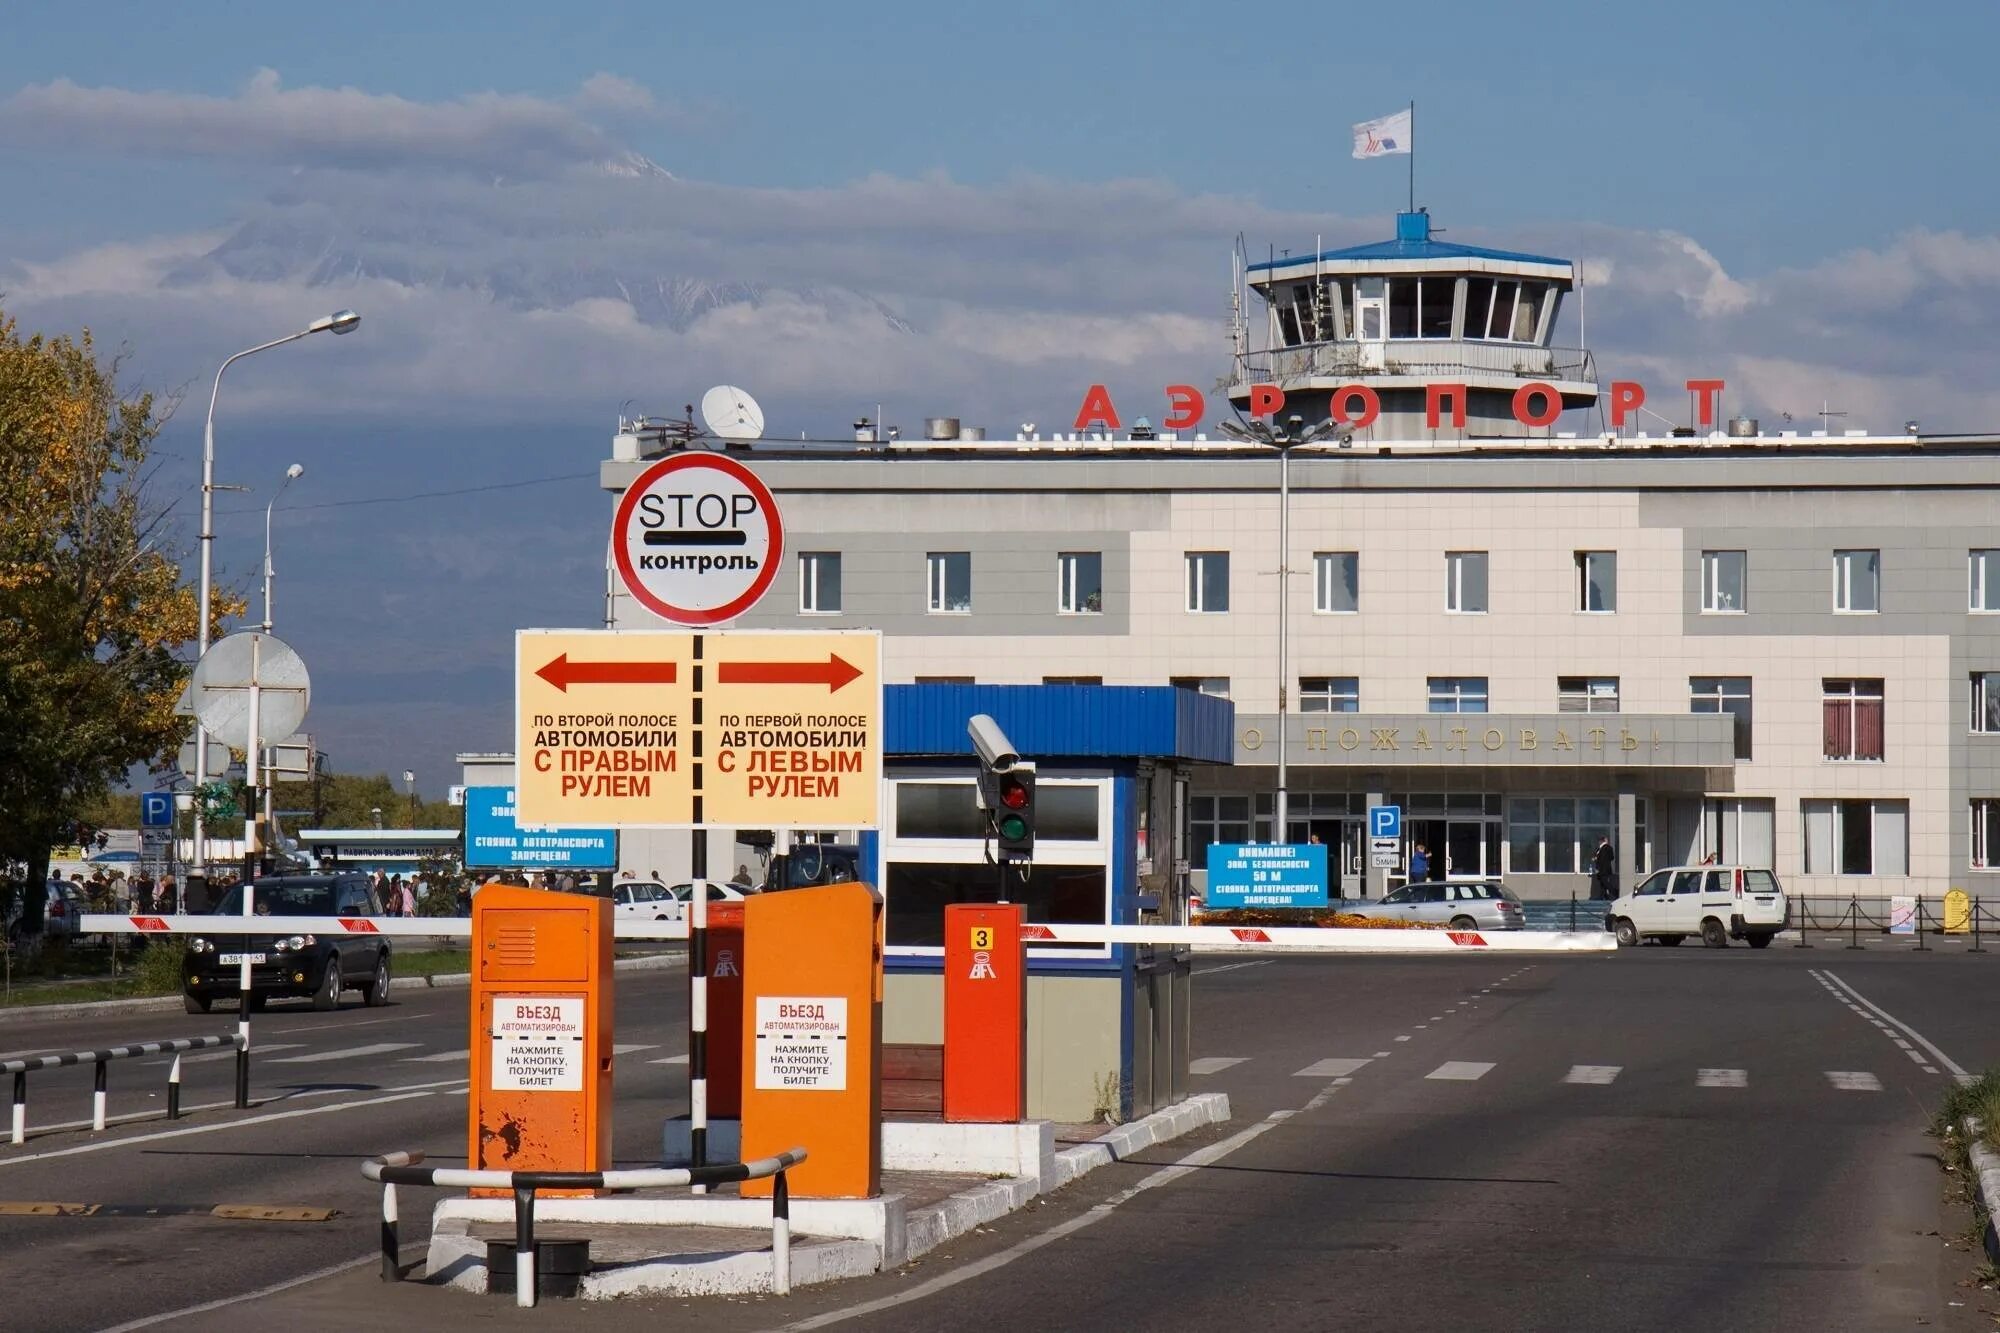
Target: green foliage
158, 969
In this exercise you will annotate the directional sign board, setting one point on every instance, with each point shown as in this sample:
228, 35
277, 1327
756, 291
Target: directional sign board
1266, 875
697, 539
1385, 853
156, 809
646, 729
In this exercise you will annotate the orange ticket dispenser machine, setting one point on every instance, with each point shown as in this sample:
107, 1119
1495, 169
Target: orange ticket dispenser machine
985, 1012
812, 1038
541, 1032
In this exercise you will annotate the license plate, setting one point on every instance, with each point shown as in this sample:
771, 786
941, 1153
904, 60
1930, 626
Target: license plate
241, 958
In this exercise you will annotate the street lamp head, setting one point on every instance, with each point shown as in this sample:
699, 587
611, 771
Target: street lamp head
295, 471
340, 321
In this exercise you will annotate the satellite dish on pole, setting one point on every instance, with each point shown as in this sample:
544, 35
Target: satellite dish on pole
221, 689
732, 413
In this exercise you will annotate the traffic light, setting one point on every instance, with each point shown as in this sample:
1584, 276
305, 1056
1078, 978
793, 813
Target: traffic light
1009, 799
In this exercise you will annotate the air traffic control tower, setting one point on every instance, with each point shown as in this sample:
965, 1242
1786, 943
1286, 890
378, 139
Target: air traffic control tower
1402, 316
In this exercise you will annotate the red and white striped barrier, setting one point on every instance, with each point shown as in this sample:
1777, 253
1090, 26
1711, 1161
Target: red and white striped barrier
428, 927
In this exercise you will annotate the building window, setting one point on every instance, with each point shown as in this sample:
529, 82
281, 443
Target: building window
1722, 579
1856, 837
1080, 583
1329, 694
1502, 310
1986, 833
946, 680
1853, 719
1072, 680
1214, 686
1740, 831
1226, 819
951, 582
1983, 572
1458, 694
1586, 694
1337, 582
1857, 581
1597, 581
1465, 582
819, 582
1558, 835
1208, 582
1986, 702
1724, 694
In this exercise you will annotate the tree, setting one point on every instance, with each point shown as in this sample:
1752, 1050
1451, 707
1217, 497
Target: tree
90, 592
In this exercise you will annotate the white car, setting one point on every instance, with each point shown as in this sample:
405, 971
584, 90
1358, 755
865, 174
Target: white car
718, 892
1718, 903
643, 900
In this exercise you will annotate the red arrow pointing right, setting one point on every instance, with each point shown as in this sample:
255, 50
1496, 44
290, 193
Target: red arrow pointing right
563, 673
833, 673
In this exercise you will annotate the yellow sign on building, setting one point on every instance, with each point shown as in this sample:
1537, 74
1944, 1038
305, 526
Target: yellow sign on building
742, 728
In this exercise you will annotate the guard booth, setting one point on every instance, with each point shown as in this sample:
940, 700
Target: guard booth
1107, 1025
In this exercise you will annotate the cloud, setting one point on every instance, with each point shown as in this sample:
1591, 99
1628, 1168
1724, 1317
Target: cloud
508, 134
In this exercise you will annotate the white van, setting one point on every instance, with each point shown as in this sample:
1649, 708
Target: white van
1718, 903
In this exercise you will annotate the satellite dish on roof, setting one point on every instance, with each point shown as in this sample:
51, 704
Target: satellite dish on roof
732, 413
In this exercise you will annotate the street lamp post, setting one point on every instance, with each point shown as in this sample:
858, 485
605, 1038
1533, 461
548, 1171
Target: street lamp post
267, 831
410, 782
340, 321
292, 474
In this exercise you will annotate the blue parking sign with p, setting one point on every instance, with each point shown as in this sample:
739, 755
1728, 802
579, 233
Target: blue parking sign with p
156, 809
1385, 821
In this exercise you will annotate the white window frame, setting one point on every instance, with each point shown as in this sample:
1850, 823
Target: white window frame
1459, 694
1337, 690
1980, 701
1838, 806
1711, 584
1324, 577
1454, 582
1068, 603
1196, 566
1589, 695
810, 572
1983, 855
937, 565
1860, 690
1584, 562
1979, 589
1843, 581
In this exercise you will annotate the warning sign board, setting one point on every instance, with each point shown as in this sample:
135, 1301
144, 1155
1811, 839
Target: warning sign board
697, 538
602, 728
537, 1043
802, 1042
793, 729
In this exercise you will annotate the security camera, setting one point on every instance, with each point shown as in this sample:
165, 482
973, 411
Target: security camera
995, 750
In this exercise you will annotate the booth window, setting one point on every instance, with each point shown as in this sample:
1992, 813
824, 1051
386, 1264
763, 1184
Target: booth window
919, 891
1064, 811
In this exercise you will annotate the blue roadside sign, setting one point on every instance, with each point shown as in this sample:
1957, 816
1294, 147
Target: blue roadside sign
156, 809
493, 838
1266, 875
1385, 821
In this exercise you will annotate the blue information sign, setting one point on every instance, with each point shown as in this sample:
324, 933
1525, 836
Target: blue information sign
1266, 875
156, 809
492, 838
1385, 821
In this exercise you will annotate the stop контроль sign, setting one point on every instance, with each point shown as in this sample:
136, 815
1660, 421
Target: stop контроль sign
697, 539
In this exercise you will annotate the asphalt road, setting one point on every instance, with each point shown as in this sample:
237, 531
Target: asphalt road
1665, 1139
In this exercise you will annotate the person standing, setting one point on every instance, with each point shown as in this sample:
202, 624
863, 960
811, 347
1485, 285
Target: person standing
1604, 871
1420, 864
406, 898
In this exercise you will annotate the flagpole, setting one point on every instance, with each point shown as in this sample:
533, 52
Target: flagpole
1413, 155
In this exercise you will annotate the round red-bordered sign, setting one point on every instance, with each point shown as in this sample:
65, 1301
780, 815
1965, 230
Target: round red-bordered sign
683, 544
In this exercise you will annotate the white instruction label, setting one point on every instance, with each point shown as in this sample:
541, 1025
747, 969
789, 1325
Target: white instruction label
537, 1043
802, 1042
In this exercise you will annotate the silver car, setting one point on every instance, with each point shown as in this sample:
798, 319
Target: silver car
1465, 905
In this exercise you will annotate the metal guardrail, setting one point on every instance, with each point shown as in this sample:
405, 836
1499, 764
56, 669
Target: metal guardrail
403, 1168
1854, 912
1417, 356
27, 1065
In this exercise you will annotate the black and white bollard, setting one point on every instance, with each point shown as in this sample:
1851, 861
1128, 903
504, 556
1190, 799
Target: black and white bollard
174, 1090
20, 1106
97, 1101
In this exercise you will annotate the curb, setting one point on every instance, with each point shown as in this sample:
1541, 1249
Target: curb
149, 1003
1986, 1168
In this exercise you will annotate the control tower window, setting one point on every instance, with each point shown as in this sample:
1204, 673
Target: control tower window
1478, 306
1403, 308
1288, 325
1527, 311
1434, 301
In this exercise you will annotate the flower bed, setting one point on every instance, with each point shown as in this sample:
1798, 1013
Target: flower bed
1308, 916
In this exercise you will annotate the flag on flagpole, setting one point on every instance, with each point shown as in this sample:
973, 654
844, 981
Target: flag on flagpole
1378, 138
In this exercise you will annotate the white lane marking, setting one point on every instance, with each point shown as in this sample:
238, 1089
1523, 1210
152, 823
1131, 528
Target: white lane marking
207, 1056
1437, 1018
404, 1095
1422, 1026
1957, 1071
345, 1025
1166, 1175
1330, 1068
628, 1048
1463, 1071
437, 1058
1379, 1055
1231, 967
1853, 1080
1599, 1074
1722, 1078
330, 1271
669, 1060
1214, 1064
1928, 1069
1403, 1038
346, 1053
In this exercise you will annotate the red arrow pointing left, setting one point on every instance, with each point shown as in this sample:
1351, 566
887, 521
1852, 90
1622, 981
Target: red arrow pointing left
563, 673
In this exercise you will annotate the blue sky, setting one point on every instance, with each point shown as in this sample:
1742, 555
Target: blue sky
957, 209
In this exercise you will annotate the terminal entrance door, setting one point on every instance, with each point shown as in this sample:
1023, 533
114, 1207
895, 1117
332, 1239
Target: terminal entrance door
1466, 848
1343, 849
1371, 323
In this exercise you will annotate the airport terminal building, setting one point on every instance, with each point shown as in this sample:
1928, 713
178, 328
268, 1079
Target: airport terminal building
1775, 649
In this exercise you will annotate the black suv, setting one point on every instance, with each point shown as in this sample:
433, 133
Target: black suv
310, 965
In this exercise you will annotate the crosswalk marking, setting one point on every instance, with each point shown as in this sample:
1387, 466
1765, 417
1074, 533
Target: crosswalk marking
1213, 1064
1722, 1078
670, 1060
441, 1057
1331, 1068
1853, 1080
627, 1048
1403, 1038
1463, 1071
207, 1056
1599, 1074
345, 1053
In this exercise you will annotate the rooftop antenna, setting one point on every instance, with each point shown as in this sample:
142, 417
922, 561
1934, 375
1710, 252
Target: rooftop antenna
732, 413
1826, 415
